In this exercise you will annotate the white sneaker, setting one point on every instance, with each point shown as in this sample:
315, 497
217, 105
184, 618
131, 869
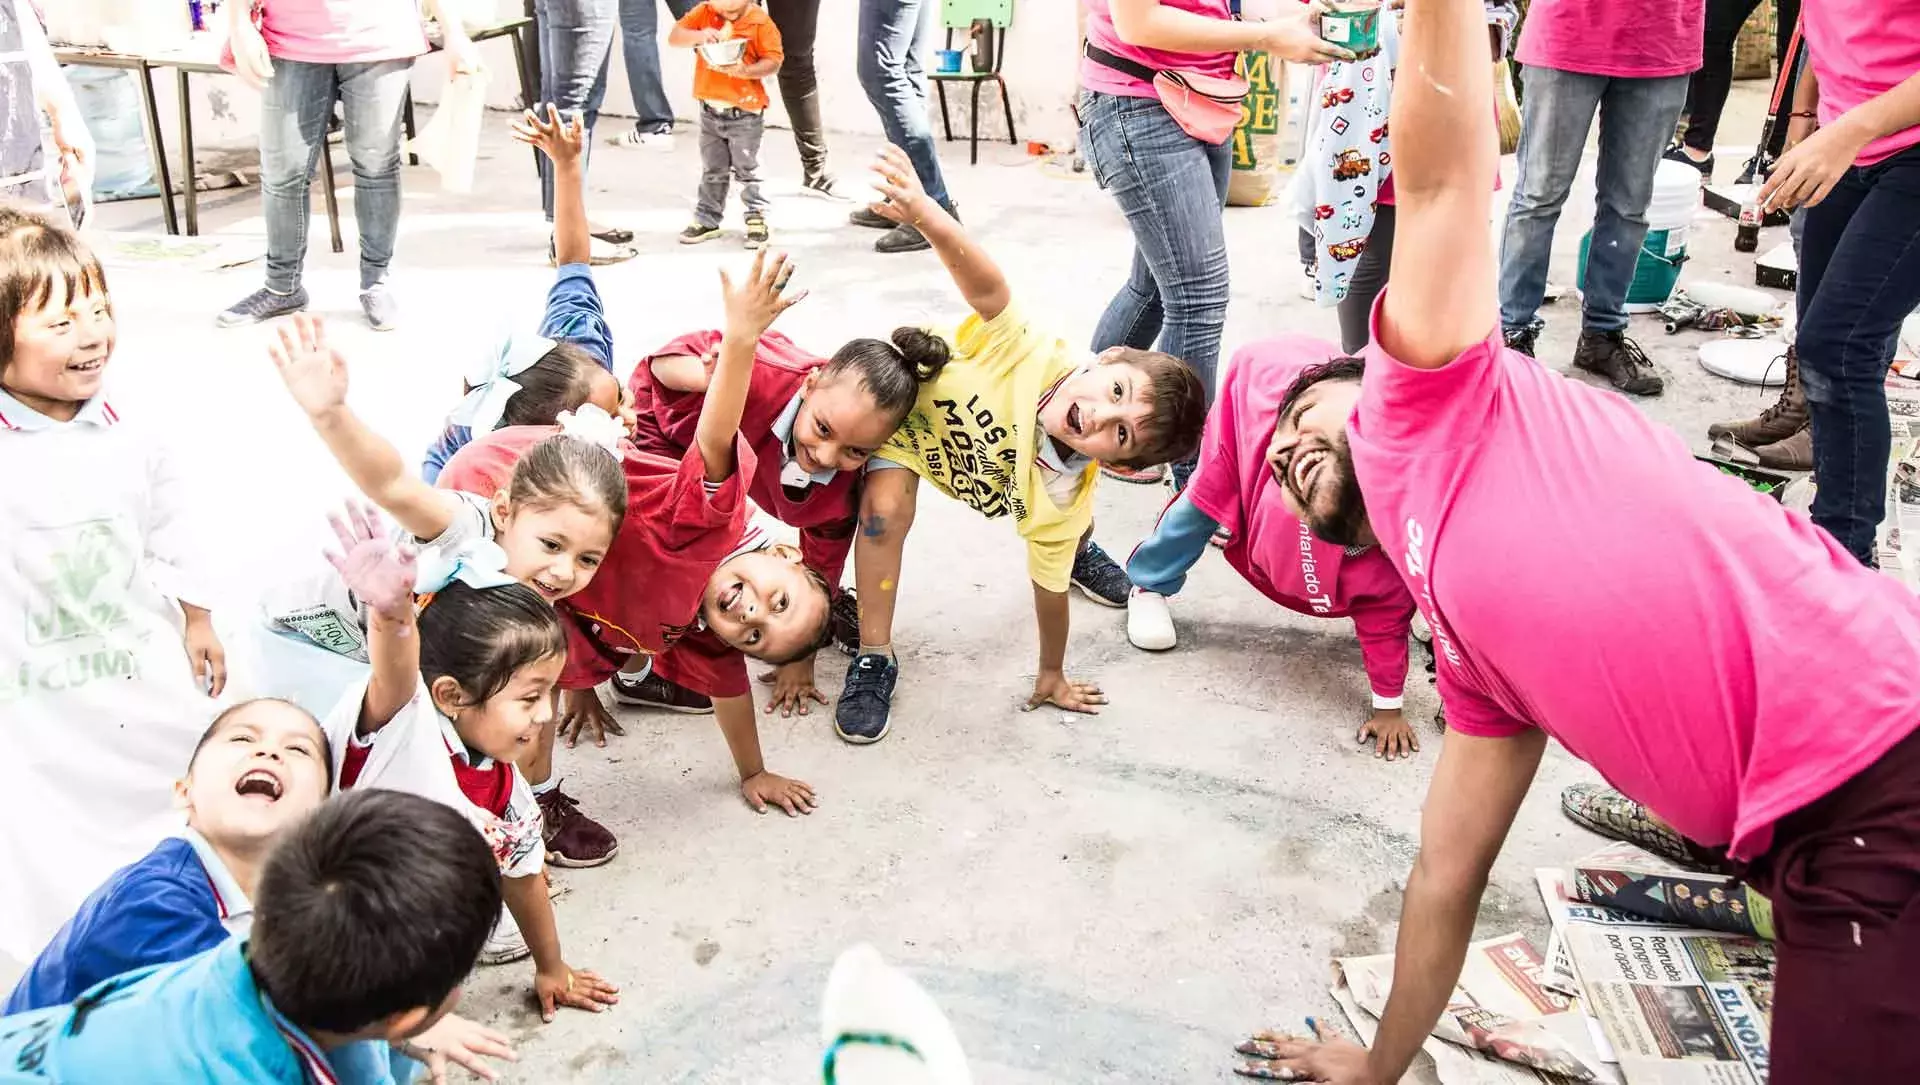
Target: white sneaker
1149, 622
659, 141
506, 944
1422, 632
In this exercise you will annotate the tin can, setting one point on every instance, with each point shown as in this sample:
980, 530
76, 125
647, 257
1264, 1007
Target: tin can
1354, 27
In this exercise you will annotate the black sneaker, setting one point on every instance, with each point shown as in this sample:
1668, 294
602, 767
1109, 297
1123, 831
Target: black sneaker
844, 619
871, 219
262, 304
902, 238
1620, 360
1678, 153
1100, 578
695, 233
825, 185
654, 691
1522, 339
757, 233
860, 717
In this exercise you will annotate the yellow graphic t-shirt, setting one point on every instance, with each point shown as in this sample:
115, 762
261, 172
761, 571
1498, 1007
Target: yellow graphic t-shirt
975, 431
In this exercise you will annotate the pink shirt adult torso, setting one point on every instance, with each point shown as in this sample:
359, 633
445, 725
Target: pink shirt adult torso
342, 31
1636, 38
1861, 49
1271, 548
1100, 32
1713, 655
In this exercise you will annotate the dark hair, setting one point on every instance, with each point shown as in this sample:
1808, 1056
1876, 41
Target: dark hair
480, 636
822, 636
36, 251
1333, 369
561, 380
1178, 400
377, 903
563, 470
892, 372
220, 723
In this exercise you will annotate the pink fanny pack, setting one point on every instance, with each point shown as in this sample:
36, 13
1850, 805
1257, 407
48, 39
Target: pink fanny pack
1206, 107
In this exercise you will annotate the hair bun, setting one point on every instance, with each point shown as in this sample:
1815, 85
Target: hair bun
926, 354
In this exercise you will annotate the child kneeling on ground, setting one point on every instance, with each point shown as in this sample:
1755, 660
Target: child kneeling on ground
1016, 423
1235, 487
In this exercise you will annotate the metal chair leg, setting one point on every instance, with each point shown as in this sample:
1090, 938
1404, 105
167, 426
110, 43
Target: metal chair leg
1006, 106
973, 125
162, 173
189, 184
946, 122
406, 120
333, 199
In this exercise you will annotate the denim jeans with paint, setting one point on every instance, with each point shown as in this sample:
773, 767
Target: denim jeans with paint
1859, 278
1172, 188
640, 51
1636, 124
295, 108
895, 79
576, 41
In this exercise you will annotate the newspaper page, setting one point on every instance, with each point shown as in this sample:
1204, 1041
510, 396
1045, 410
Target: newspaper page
1511, 1030
1679, 1006
1630, 879
1898, 547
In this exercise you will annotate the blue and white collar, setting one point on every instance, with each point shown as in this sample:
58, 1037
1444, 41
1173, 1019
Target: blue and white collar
227, 894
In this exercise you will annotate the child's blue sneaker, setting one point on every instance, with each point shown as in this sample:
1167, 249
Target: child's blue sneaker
861, 716
1100, 578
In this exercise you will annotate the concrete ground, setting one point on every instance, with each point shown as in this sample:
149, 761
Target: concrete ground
1113, 898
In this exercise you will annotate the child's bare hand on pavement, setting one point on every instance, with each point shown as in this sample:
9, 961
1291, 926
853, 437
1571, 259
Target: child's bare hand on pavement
893, 175
1392, 736
378, 572
793, 687
1060, 691
572, 988
582, 715
561, 137
767, 788
758, 300
455, 1041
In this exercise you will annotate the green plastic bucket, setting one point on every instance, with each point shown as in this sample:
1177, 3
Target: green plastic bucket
1654, 274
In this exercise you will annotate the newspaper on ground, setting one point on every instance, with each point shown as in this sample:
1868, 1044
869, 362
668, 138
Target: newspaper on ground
1898, 547
1630, 879
1508, 1028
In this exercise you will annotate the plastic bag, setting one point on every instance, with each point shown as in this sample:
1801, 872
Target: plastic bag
1257, 153
450, 142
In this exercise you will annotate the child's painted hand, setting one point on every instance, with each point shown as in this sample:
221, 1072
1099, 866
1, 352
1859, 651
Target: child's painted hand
1392, 736
1055, 688
379, 573
204, 652
314, 373
893, 176
793, 796
455, 1041
759, 299
793, 687
581, 713
572, 988
561, 138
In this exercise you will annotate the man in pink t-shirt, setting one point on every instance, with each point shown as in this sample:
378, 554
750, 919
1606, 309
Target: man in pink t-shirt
303, 56
1714, 656
1629, 60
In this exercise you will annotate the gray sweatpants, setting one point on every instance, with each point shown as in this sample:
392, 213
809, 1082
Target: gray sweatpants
729, 146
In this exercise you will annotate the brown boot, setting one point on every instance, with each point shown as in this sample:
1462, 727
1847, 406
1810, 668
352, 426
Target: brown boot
1787, 416
1793, 452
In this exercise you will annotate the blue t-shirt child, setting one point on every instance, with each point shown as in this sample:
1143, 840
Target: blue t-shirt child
176, 901
201, 1020
574, 314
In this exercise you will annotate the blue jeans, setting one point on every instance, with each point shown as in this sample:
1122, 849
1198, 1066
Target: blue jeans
1172, 188
1859, 278
1179, 540
1636, 124
896, 82
640, 49
576, 41
295, 107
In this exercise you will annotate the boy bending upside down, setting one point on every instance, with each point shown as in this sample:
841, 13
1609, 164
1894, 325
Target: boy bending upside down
1017, 423
1714, 655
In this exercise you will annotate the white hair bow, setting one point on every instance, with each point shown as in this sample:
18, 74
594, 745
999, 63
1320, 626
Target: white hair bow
595, 426
493, 386
480, 563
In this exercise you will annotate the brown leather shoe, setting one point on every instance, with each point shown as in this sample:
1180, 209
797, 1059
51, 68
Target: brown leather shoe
1793, 452
1787, 415
1620, 360
573, 839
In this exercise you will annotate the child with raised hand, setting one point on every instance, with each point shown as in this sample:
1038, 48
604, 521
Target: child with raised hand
457, 693
1016, 424
109, 643
685, 556
1235, 487
368, 917
813, 423
529, 380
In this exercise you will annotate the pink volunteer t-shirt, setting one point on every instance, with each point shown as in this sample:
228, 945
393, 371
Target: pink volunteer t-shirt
1100, 32
1636, 38
1861, 49
1713, 655
1271, 548
342, 31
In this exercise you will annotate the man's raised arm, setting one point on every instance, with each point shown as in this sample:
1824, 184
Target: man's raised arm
1441, 298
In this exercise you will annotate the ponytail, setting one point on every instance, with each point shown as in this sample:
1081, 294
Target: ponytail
892, 371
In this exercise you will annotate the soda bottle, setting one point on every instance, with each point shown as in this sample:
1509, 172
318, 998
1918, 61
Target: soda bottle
1747, 237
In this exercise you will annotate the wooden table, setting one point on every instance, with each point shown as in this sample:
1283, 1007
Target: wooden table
186, 64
